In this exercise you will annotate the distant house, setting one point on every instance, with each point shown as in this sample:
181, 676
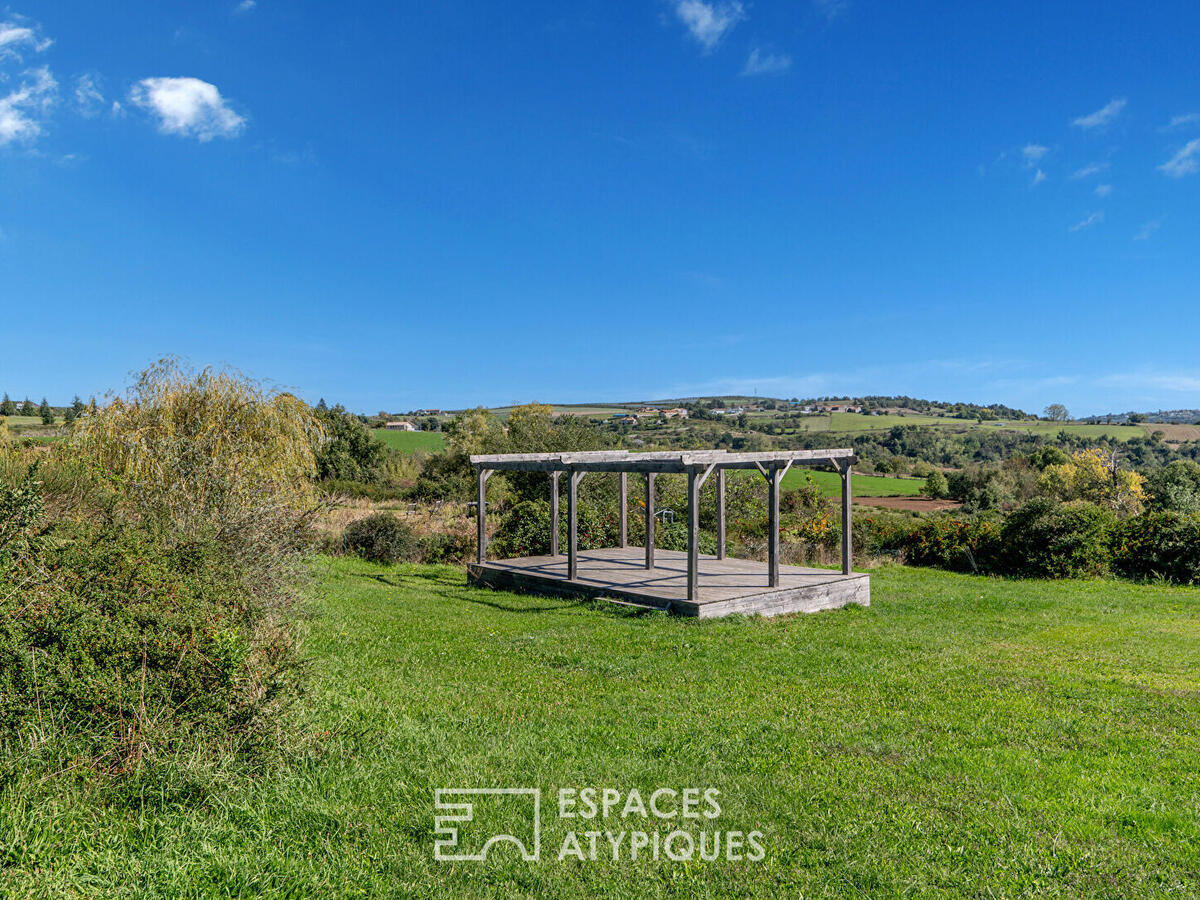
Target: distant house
400, 426
677, 413
647, 410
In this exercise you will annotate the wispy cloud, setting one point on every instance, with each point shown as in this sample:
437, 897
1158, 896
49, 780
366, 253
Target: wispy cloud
831, 9
1089, 170
1102, 117
1038, 177
88, 97
708, 22
188, 107
1033, 153
1103, 190
1185, 162
1145, 232
23, 110
1184, 121
1094, 219
1176, 382
760, 63
16, 36
245, 6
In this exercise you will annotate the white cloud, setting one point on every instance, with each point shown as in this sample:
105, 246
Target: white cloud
245, 6
1183, 121
708, 22
1102, 117
88, 98
1185, 162
14, 36
760, 63
1033, 153
1039, 177
1103, 190
1094, 219
1148, 229
188, 107
1089, 170
22, 111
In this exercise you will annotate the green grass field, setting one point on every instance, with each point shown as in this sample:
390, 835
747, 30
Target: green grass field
28, 421
962, 737
830, 484
412, 441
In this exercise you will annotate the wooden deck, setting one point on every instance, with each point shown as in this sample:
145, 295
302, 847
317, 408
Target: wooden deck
726, 585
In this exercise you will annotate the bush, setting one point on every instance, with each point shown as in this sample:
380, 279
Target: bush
1047, 539
1176, 486
936, 487
383, 538
961, 545
1160, 545
120, 644
154, 613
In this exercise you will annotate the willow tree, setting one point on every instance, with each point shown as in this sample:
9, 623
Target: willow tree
209, 451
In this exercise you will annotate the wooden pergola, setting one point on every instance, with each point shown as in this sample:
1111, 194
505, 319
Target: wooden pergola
697, 465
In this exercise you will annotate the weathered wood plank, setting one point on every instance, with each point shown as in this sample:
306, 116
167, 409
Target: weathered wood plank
650, 520
554, 476
727, 586
720, 514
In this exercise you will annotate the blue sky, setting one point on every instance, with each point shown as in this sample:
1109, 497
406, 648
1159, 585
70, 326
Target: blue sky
396, 205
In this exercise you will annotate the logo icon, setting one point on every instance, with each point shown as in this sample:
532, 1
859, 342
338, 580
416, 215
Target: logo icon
460, 836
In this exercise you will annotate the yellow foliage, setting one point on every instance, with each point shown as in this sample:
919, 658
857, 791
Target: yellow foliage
1092, 475
207, 447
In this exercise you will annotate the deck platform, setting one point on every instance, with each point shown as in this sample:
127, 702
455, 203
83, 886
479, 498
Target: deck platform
726, 586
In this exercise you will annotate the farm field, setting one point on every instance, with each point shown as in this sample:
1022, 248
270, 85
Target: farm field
850, 423
411, 441
830, 484
962, 736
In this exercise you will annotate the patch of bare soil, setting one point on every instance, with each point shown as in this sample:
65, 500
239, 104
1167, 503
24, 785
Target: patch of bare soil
918, 504
1174, 433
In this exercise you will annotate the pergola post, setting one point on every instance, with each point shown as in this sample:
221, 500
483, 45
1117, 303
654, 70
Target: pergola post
774, 479
573, 479
847, 523
650, 520
481, 513
720, 513
554, 513
624, 513
693, 570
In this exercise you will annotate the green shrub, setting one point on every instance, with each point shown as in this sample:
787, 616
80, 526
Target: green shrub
124, 645
946, 542
936, 486
524, 530
1176, 486
1160, 545
1048, 539
383, 538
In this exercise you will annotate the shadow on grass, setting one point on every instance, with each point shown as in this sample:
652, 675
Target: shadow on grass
460, 591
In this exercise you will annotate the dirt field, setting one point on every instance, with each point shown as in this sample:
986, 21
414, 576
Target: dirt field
917, 504
1174, 434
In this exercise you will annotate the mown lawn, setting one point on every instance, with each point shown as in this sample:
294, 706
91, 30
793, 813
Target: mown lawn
962, 737
412, 441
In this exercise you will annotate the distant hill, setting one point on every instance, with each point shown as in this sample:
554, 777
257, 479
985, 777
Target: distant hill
1164, 416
